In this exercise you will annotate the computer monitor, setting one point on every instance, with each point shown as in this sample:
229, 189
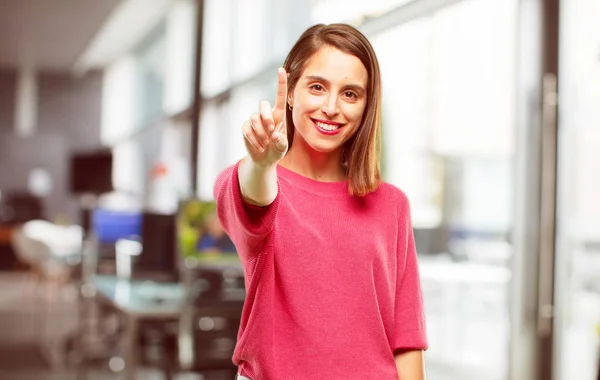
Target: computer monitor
91, 172
159, 258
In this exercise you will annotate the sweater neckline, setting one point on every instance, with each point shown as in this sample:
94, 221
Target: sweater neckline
309, 184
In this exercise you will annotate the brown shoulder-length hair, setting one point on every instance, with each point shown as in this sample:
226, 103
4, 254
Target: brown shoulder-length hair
361, 153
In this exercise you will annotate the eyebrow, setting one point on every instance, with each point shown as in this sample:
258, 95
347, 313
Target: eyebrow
355, 87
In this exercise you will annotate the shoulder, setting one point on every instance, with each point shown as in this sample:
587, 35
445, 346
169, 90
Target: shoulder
227, 172
224, 180
394, 196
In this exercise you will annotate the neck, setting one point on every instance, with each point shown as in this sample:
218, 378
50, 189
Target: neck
324, 167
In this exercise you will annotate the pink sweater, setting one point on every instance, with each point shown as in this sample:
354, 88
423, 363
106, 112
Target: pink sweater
332, 280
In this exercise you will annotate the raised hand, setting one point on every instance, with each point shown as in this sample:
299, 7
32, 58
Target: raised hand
265, 133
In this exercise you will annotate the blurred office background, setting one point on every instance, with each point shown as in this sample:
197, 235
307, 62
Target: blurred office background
491, 126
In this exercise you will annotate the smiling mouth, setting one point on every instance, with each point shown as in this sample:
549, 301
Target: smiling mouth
327, 126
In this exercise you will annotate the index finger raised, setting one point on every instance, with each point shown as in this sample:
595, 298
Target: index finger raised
280, 99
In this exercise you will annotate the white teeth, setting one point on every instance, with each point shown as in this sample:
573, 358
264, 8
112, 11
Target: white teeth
327, 127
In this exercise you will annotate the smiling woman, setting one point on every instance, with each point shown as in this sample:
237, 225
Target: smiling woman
339, 67
328, 250
325, 101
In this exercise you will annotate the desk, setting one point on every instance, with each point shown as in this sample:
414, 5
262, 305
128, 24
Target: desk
138, 300
141, 298
215, 262
145, 300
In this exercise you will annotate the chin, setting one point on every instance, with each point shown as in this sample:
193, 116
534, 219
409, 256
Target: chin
324, 147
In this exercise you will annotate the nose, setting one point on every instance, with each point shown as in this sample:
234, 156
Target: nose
330, 106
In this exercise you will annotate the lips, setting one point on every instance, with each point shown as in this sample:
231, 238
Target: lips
327, 127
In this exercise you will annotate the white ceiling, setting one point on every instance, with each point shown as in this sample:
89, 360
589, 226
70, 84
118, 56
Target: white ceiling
49, 34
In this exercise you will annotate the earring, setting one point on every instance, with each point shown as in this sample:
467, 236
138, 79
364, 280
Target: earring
290, 106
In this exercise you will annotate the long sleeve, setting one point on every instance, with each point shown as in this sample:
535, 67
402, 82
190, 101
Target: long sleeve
410, 332
246, 225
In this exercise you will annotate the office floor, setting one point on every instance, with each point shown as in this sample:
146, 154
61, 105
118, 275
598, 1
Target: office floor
21, 360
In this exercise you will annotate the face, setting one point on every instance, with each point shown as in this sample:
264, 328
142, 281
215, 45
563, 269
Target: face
329, 99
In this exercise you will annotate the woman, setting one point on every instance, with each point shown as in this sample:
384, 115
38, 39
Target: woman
327, 248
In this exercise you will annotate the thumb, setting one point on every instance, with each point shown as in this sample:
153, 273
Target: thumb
279, 138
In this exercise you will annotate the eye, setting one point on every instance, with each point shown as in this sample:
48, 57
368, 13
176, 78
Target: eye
316, 87
351, 95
